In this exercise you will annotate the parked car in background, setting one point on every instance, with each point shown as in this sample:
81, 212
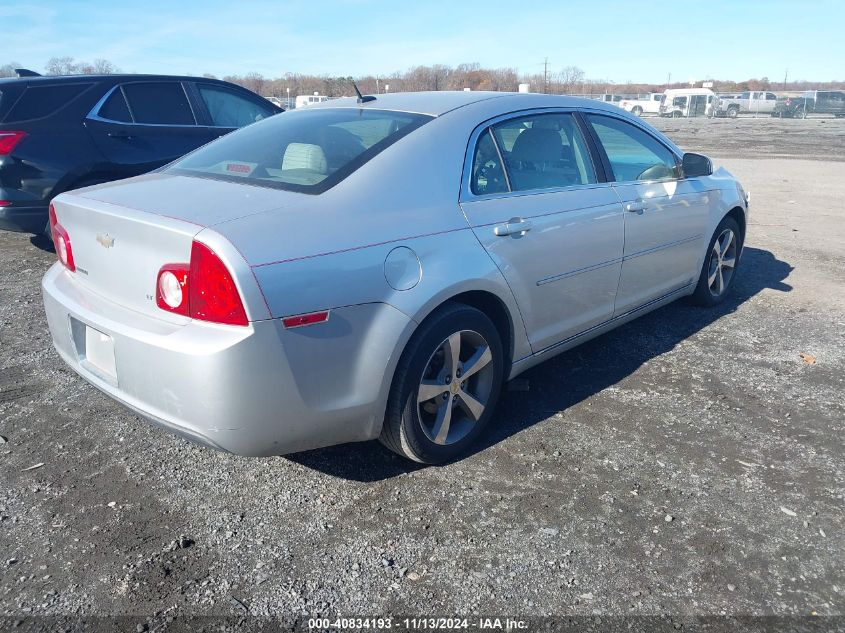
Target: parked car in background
644, 104
812, 102
63, 133
750, 102
687, 102
377, 268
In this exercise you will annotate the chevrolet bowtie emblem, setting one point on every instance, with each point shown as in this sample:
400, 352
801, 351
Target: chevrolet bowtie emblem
105, 239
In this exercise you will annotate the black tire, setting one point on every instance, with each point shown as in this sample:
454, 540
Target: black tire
402, 431
704, 295
733, 113
638, 111
677, 114
800, 114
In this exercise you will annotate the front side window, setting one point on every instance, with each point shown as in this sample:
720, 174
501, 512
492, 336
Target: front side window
159, 103
679, 102
541, 151
306, 150
633, 153
228, 109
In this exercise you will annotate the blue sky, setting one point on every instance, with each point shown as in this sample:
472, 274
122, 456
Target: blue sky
619, 41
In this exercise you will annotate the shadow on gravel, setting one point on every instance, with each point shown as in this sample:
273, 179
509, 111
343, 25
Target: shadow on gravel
42, 242
566, 380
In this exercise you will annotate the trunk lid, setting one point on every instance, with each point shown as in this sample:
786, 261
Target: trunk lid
118, 251
123, 232
201, 201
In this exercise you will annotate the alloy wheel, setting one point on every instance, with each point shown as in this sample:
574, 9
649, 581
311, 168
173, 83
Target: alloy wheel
455, 388
722, 263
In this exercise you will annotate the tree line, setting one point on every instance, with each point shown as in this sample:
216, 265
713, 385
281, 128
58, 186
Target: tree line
566, 80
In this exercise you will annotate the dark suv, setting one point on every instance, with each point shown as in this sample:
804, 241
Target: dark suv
62, 133
812, 102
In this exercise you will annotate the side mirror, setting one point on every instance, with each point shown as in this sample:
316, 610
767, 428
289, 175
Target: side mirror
694, 165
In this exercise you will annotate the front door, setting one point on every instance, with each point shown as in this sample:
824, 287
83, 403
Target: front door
665, 215
555, 232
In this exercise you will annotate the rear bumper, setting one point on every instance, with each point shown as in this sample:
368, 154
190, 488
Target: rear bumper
23, 219
255, 390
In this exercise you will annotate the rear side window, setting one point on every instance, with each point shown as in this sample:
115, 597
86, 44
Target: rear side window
160, 103
228, 109
488, 175
543, 151
633, 153
115, 108
307, 151
38, 102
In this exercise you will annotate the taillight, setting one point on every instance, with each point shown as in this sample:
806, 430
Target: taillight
61, 242
203, 289
8, 141
172, 290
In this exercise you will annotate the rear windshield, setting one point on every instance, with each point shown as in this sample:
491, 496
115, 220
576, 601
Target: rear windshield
307, 151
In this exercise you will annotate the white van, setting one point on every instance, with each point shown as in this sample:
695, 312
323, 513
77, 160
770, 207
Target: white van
306, 100
688, 102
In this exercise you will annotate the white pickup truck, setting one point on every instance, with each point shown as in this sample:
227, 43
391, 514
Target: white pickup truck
751, 102
643, 104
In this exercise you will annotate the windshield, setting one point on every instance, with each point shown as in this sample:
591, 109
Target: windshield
307, 151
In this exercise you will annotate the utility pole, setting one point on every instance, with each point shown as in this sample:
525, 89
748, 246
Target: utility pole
546, 76
669, 80
785, 76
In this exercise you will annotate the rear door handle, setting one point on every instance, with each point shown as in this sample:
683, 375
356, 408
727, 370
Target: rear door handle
514, 226
636, 206
123, 135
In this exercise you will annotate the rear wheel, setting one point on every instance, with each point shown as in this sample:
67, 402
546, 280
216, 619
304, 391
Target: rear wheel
733, 113
445, 387
719, 269
800, 114
637, 110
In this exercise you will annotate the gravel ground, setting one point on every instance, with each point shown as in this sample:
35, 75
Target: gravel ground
688, 463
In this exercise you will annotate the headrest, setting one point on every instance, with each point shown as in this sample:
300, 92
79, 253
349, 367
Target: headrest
537, 145
304, 156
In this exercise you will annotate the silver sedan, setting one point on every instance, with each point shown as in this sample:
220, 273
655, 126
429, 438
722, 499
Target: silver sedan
376, 268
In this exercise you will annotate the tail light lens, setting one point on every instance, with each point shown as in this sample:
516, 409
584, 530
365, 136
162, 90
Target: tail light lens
8, 141
61, 242
172, 288
203, 289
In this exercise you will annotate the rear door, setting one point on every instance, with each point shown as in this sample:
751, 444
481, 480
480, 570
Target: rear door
665, 215
551, 224
142, 125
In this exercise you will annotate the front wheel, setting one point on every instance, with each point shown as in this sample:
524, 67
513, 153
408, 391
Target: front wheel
445, 387
733, 113
638, 111
719, 269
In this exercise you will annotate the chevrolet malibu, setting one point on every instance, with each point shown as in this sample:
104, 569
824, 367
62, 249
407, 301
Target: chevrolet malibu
377, 267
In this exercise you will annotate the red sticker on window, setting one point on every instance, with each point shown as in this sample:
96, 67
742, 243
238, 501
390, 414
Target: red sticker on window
241, 169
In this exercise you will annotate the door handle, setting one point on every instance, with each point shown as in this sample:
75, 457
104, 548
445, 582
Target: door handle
123, 135
636, 206
514, 226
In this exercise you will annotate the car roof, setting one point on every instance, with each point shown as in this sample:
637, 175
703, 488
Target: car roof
47, 79
437, 103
